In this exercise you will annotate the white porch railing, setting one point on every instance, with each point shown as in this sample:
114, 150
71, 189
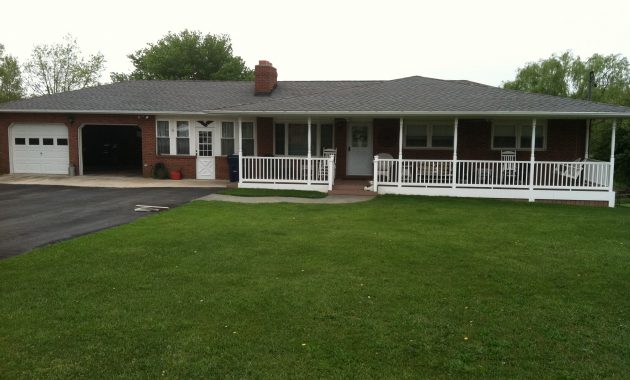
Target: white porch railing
300, 173
486, 178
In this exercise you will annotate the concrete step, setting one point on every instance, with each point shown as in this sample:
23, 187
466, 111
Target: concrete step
354, 191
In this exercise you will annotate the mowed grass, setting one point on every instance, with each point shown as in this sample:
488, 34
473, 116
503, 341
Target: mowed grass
398, 287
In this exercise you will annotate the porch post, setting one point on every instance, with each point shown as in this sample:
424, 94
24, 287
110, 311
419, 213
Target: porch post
400, 151
612, 158
454, 179
240, 150
587, 138
531, 162
308, 156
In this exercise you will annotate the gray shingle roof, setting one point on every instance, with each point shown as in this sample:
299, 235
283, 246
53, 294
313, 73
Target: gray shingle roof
406, 95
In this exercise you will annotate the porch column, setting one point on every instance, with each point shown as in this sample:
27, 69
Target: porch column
612, 157
240, 150
587, 138
454, 179
400, 151
531, 162
308, 156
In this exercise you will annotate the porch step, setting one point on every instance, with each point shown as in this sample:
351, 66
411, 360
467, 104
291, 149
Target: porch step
350, 187
350, 192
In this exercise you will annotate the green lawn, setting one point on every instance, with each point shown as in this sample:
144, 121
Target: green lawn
243, 192
397, 287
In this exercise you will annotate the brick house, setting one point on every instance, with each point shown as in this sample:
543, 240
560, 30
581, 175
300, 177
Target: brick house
412, 135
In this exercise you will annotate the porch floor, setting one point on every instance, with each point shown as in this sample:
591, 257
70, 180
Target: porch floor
351, 187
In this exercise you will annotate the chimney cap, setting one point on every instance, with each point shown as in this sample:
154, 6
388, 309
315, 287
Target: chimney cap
264, 62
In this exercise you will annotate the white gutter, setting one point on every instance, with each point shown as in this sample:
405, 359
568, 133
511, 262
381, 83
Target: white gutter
103, 112
427, 113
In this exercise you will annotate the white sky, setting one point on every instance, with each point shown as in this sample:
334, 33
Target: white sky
479, 40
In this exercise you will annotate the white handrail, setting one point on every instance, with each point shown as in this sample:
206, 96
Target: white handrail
303, 170
493, 174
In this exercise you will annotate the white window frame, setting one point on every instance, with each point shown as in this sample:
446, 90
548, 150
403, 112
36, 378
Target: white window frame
315, 126
541, 130
172, 135
253, 135
225, 137
430, 125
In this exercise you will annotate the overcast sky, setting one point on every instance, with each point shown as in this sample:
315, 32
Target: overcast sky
479, 40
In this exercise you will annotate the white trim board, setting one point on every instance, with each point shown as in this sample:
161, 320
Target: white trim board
574, 195
283, 186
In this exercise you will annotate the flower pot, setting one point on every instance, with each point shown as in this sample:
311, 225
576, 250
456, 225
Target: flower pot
175, 174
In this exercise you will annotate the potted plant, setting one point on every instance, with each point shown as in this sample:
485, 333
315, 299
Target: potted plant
159, 171
176, 174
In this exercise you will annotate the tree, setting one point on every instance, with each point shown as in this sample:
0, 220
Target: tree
61, 67
10, 78
187, 55
568, 75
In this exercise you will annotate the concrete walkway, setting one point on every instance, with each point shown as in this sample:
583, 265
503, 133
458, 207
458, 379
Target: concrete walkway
331, 199
105, 181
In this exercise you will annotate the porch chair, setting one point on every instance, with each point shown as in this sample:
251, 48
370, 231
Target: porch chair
323, 168
570, 173
509, 167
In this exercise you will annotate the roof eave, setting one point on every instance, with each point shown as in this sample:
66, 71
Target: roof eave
104, 112
547, 114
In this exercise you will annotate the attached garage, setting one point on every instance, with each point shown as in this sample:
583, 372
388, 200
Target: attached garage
111, 149
39, 148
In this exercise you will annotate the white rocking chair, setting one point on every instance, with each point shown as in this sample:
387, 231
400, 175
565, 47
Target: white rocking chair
509, 168
323, 168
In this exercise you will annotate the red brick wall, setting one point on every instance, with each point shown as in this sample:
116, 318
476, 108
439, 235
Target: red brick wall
565, 141
264, 136
146, 124
221, 167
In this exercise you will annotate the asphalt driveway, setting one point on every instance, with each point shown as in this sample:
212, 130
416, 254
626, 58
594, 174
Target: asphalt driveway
35, 215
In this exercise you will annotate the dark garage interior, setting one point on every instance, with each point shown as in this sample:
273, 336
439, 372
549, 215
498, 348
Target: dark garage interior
111, 149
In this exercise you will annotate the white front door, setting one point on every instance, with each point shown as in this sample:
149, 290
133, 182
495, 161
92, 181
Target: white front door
359, 149
205, 157
39, 148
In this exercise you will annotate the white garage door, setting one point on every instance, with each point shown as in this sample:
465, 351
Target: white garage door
39, 148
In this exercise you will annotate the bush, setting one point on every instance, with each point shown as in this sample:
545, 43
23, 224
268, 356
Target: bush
159, 171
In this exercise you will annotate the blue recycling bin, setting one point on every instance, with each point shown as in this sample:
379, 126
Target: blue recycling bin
233, 167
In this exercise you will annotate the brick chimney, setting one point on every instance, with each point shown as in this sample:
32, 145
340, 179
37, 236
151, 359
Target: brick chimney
266, 78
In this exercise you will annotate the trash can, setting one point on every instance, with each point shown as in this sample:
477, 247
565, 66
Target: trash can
233, 167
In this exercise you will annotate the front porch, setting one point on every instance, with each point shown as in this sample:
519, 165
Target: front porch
563, 174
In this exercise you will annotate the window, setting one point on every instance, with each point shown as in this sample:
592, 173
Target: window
526, 138
504, 136
62, 141
183, 138
428, 135
48, 141
227, 138
298, 139
416, 136
247, 129
20, 141
517, 136
280, 138
33, 141
163, 139
292, 139
173, 137
442, 136
326, 137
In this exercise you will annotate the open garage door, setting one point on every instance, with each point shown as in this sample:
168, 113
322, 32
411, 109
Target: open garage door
111, 149
39, 148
